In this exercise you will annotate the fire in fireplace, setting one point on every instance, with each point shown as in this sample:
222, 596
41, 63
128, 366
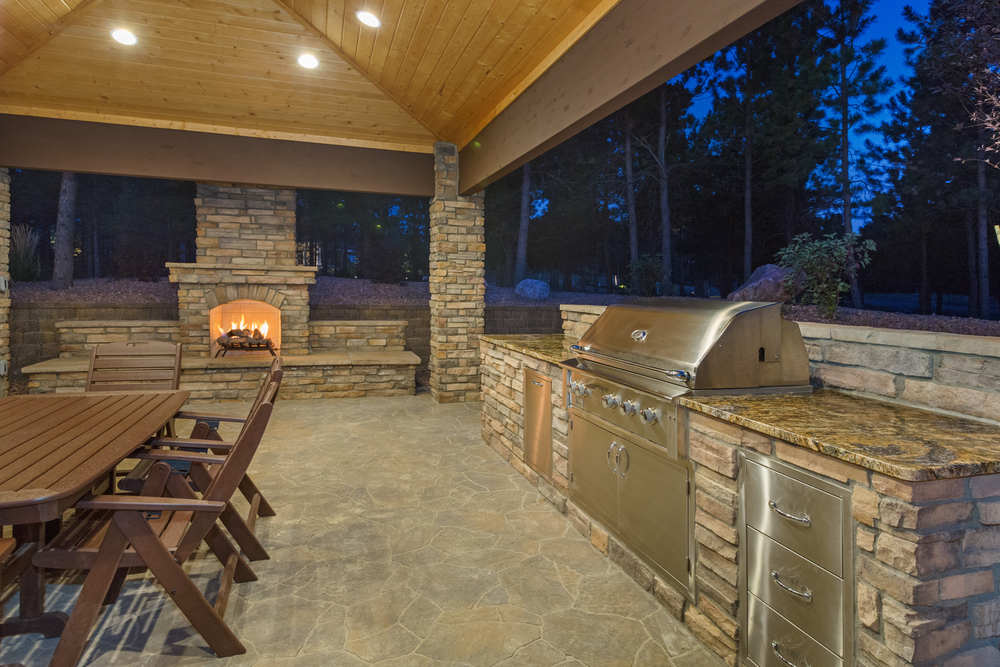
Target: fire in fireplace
245, 326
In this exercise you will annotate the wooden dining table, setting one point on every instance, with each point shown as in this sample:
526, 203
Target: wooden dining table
55, 448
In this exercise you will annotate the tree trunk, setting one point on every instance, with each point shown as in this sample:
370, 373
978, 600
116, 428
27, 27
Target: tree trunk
667, 273
62, 267
633, 228
789, 216
924, 299
522, 231
982, 224
845, 170
747, 207
970, 241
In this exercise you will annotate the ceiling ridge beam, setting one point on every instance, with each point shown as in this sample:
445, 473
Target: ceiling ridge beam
565, 45
72, 16
322, 36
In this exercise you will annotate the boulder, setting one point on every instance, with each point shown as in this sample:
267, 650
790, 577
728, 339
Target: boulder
532, 289
767, 283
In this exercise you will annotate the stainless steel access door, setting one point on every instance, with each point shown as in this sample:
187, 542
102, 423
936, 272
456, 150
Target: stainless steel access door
538, 422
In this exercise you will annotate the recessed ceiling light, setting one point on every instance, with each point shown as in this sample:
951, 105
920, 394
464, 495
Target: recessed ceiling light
369, 19
124, 36
308, 61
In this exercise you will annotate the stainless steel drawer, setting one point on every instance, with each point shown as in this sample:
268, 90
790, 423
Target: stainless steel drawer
773, 641
538, 422
799, 516
816, 598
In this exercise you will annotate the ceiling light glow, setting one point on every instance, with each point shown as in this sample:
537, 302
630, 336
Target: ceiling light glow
124, 37
308, 61
369, 19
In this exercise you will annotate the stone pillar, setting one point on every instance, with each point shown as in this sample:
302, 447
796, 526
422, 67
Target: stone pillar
457, 283
5, 272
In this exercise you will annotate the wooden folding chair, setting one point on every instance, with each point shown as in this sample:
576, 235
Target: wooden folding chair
135, 365
158, 529
205, 438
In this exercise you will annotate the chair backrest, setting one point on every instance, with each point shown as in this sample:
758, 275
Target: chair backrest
139, 365
273, 376
227, 480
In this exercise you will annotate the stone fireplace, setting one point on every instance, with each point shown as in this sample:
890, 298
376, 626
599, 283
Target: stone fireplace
245, 258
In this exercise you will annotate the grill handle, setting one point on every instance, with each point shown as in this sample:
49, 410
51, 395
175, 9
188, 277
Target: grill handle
678, 375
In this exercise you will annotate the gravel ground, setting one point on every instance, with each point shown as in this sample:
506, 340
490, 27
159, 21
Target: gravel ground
364, 292
356, 291
875, 318
96, 289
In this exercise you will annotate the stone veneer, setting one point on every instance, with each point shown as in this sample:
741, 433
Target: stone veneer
78, 337
245, 250
927, 554
457, 282
327, 335
577, 319
5, 272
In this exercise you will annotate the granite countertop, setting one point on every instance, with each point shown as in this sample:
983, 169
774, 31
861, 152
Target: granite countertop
900, 441
552, 348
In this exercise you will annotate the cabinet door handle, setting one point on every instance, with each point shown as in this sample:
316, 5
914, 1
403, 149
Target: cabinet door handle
807, 595
536, 382
628, 460
801, 519
611, 449
774, 647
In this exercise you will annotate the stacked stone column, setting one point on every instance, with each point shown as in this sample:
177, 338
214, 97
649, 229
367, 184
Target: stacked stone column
457, 283
5, 272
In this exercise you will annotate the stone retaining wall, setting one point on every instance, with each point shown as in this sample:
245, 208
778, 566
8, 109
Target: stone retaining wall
5, 352
326, 335
35, 338
959, 374
78, 337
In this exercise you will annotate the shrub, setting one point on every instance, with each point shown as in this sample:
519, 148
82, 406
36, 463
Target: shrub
25, 266
643, 275
828, 265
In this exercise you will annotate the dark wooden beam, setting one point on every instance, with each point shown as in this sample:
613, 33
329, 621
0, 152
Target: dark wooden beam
638, 46
27, 142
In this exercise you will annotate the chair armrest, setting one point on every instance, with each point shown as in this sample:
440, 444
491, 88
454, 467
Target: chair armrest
189, 457
199, 417
191, 443
150, 504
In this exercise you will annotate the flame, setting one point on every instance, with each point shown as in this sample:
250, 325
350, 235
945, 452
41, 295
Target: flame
262, 326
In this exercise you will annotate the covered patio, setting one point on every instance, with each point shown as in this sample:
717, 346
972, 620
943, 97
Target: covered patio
401, 539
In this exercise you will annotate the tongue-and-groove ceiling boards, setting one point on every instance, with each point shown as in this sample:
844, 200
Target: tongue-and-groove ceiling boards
434, 70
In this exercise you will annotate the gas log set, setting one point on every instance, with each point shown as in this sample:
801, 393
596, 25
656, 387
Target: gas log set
245, 338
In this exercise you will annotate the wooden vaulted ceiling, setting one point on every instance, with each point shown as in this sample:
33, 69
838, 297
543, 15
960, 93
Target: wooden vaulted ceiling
434, 70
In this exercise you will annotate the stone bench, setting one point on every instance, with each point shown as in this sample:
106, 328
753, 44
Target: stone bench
338, 374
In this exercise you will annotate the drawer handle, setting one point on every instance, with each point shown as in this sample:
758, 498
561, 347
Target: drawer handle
774, 647
801, 519
628, 460
807, 595
537, 383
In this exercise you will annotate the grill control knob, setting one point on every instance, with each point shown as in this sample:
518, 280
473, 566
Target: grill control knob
647, 416
578, 388
609, 401
627, 408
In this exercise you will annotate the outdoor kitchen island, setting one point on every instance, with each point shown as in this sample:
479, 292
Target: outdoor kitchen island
905, 502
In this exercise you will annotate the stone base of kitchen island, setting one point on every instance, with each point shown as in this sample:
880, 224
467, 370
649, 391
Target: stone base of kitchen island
925, 555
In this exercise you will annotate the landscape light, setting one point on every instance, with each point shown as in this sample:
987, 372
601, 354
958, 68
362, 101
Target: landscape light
308, 61
369, 19
124, 37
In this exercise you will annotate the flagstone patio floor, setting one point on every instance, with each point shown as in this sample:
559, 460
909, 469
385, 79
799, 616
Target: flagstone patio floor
401, 540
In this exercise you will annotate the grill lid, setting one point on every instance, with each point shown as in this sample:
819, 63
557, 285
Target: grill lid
703, 344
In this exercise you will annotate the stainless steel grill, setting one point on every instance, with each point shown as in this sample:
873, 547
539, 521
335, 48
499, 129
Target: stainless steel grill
626, 462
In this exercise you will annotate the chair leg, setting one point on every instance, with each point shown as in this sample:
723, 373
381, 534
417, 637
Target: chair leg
117, 583
178, 585
95, 588
251, 546
216, 541
247, 487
